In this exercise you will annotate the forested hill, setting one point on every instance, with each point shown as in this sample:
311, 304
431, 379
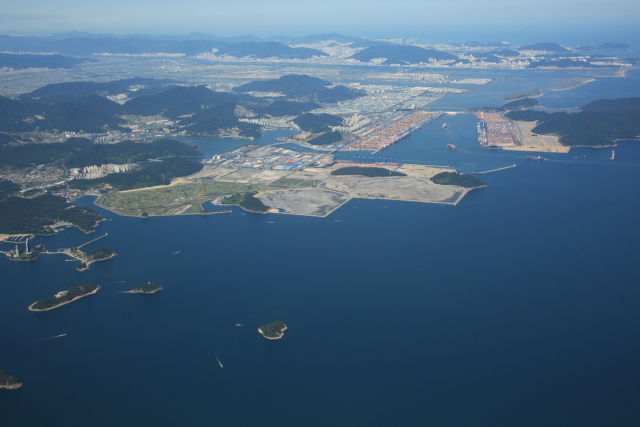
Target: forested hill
600, 123
403, 54
268, 50
613, 105
81, 152
21, 216
291, 84
59, 92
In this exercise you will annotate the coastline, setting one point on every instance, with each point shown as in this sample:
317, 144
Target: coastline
88, 263
273, 338
63, 303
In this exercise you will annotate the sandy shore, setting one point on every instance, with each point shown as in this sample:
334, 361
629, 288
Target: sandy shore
276, 338
66, 302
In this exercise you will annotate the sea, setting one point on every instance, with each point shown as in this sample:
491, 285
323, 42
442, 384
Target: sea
520, 306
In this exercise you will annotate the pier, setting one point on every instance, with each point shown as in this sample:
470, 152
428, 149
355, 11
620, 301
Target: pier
85, 244
495, 170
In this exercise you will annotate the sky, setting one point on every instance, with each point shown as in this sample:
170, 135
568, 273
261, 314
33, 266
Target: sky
446, 20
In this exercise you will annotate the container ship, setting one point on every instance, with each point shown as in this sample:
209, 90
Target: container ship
535, 158
451, 146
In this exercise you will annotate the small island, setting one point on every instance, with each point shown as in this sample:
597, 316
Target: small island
64, 297
93, 256
147, 288
273, 331
454, 178
9, 382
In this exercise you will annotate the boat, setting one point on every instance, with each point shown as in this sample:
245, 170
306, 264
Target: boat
535, 158
493, 147
451, 146
444, 126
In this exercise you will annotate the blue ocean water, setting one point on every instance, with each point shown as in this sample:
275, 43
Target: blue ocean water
519, 306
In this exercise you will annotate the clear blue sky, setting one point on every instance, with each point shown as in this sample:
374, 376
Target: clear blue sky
450, 19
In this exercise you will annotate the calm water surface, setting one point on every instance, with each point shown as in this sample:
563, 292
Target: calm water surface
518, 307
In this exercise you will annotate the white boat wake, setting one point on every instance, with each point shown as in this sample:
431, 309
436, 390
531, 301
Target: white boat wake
219, 363
175, 253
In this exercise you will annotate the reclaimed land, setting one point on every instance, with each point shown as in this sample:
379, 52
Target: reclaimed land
184, 198
74, 293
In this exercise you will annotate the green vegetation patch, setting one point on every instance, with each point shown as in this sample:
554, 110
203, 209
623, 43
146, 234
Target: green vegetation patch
286, 183
160, 201
23, 216
73, 292
246, 201
273, 330
99, 254
531, 93
326, 138
454, 178
370, 172
7, 188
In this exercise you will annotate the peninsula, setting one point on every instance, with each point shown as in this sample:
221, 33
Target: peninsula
273, 331
64, 297
147, 288
9, 382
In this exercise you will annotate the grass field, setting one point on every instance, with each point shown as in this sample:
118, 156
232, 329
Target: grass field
183, 198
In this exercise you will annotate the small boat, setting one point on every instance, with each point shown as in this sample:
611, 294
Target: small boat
452, 147
444, 126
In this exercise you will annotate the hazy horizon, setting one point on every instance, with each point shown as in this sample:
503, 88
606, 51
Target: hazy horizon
563, 21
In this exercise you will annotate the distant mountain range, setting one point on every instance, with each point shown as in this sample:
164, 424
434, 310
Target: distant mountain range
268, 50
